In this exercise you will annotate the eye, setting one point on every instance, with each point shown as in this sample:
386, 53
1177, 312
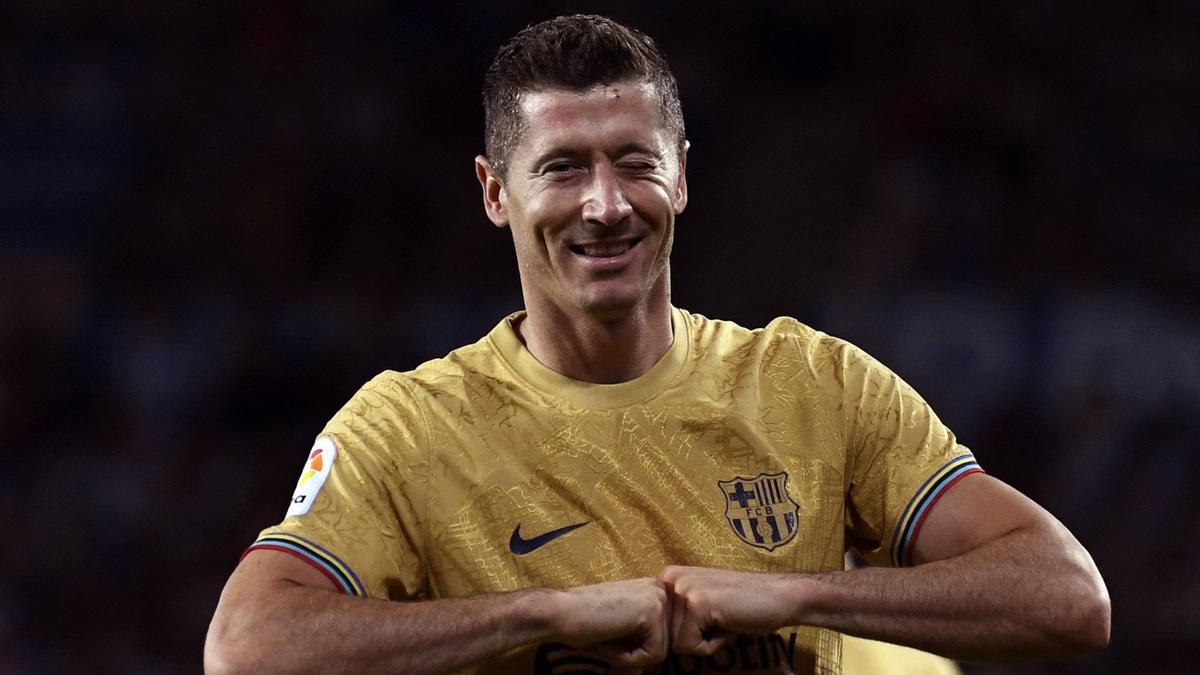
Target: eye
638, 167
559, 168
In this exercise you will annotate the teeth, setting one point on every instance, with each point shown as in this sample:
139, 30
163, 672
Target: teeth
606, 249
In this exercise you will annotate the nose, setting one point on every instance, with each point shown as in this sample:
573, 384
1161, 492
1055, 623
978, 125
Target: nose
604, 201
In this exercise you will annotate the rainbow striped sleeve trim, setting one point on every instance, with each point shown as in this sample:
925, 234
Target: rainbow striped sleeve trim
325, 562
909, 525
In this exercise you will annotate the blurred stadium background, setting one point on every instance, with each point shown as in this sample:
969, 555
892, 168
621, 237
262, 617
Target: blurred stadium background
218, 219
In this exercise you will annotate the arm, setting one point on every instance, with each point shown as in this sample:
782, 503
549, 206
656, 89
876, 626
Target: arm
997, 578
277, 614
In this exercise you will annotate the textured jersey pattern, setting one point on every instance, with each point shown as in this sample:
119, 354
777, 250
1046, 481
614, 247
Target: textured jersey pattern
766, 450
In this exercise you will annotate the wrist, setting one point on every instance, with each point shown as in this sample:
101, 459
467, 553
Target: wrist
536, 612
801, 592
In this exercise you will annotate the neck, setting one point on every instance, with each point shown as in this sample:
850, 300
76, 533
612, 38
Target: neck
598, 349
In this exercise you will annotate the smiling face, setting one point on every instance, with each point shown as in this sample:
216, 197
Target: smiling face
591, 195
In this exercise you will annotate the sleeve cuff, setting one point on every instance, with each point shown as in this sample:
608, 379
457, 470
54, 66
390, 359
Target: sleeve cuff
325, 562
909, 524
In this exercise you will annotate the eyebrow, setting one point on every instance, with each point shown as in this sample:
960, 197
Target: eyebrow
565, 152
557, 152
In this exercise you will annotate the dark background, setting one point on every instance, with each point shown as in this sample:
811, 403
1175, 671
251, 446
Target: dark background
218, 219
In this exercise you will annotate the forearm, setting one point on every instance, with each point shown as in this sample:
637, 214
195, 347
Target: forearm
1031, 593
296, 628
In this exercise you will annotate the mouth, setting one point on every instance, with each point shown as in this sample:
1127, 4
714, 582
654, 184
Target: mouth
604, 249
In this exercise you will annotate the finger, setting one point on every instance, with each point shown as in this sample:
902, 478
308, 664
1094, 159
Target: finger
613, 652
657, 636
624, 659
667, 576
679, 610
689, 634
672, 615
713, 640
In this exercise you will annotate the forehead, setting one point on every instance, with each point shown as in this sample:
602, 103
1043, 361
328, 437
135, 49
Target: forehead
619, 113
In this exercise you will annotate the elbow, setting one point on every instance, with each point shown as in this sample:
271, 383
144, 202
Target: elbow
1089, 625
1096, 625
217, 659
224, 655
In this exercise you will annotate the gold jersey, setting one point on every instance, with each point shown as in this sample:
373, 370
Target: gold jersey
768, 450
868, 657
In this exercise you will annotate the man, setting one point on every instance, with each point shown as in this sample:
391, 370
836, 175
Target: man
605, 479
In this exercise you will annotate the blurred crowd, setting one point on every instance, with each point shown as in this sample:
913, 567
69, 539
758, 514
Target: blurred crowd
218, 219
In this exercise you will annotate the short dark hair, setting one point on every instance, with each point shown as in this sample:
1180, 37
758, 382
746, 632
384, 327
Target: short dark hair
575, 53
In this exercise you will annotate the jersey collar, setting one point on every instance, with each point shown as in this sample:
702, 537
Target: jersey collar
661, 375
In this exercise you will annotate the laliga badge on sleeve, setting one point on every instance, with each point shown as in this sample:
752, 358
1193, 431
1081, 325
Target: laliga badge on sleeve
316, 470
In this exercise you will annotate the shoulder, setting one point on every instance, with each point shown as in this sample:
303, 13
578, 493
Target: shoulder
785, 358
784, 338
475, 376
457, 373
391, 392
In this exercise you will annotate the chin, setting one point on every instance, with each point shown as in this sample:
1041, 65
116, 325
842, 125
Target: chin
609, 310
609, 305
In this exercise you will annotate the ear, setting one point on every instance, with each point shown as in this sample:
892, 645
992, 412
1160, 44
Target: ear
494, 194
681, 188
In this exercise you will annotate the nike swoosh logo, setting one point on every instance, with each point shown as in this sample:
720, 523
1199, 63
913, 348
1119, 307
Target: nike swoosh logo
520, 546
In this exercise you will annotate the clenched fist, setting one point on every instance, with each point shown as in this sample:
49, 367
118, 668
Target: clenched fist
709, 607
624, 621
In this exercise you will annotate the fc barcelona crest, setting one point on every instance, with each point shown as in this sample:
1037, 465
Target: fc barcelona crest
759, 509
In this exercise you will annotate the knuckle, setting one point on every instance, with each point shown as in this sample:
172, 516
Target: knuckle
634, 659
642, 659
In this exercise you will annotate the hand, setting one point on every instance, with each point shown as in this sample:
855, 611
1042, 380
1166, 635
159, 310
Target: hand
624, 621
709, 607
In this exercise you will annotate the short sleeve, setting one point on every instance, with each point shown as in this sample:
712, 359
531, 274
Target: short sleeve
900, 458
357, 514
